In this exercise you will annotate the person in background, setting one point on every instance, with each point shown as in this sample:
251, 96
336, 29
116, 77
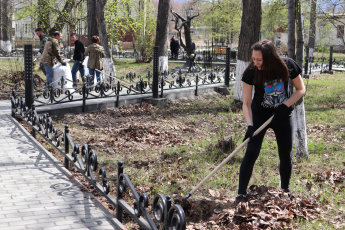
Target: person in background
50, 53
43, 39
278, 42
95, 62
174, 47
269, 74
78, 58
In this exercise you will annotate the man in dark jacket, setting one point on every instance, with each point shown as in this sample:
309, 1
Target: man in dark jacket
78, 58
43, 39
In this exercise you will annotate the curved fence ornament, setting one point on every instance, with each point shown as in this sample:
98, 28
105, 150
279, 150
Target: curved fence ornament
103, 175
173, 217
85, 161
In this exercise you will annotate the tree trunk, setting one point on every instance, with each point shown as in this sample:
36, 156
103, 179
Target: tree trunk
250, 31
300, 135
92, 28
43, 15
189, 45
299, 29
109, 67
291, 28
312, 29
162, 34
6, 26
63, 17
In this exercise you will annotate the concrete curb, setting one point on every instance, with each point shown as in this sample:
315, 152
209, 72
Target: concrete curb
103, 103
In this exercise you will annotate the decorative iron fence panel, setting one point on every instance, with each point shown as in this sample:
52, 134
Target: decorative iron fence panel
84, 159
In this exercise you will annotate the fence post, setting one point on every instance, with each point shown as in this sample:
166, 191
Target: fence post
227, 67
119, 193
29, 86
162, 86
155, 73
51, 93
66, 162
118, 94
306, 60
196, 84
168, 206
84, 97
33, 133
330, 58
101, 85
13, 103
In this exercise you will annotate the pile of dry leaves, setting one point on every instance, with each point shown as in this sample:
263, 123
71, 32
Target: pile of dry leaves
14, 81
267, 208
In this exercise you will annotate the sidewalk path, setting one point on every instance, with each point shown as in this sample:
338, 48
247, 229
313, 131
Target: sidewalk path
35, 190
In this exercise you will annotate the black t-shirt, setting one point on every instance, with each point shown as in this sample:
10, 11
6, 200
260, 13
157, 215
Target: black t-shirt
271, 94
79, 50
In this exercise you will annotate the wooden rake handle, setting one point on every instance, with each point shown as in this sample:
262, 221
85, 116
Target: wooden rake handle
229, 157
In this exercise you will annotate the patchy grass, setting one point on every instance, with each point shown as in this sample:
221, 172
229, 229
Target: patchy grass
170, 150
125, 66
337, 56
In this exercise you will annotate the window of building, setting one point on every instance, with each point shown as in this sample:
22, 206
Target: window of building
340, 31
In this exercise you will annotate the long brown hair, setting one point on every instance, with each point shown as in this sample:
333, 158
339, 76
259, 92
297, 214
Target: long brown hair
273, 67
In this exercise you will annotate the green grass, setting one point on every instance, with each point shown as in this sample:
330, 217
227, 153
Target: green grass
125, 66
326, 55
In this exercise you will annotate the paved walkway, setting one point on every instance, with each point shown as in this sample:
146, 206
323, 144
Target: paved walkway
35, 190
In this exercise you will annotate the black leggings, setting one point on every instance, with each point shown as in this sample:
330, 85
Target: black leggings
283, 131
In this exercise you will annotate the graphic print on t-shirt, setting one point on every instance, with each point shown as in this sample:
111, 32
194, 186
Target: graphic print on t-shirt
274, 94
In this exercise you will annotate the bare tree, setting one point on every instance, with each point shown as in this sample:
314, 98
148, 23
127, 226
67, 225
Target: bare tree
97, 26
250, 31
6, 25
299, 32
295, 17
162, 34
291, 28
333, 12
180, 21
312, 29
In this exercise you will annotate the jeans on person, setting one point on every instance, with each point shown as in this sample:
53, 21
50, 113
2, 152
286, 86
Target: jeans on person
77, 66
42, 68
284, 134
49, 73
98, 74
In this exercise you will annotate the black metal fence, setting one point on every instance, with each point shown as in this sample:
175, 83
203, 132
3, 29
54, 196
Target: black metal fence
131, 84
84, 159
322, 64
203, 56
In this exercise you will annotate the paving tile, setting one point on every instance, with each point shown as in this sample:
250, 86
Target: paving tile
34, 192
